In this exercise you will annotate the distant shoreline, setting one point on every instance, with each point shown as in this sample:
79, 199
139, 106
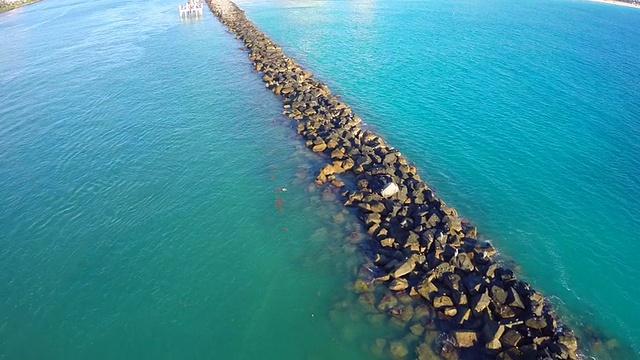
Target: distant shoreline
13, 6
619, 3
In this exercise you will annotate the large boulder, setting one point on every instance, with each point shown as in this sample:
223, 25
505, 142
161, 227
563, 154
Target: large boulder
498, 294
405, 268
319, 147
511, 338
481, 302
399, 284
442, 301
464, 338
389, 190
536, 323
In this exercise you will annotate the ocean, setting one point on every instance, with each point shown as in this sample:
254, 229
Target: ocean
156, 204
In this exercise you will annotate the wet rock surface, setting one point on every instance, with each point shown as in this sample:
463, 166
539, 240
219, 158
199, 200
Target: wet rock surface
428, 273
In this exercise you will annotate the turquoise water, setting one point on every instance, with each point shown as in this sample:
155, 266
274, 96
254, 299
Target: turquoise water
524, 116
142, 164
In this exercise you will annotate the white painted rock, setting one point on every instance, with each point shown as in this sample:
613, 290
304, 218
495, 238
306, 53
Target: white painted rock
390, 189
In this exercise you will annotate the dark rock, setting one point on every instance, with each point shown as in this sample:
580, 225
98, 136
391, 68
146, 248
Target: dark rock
504, 311
491, 270
511, 338
529, 352
498, 294
464, 314
473, 284
463, 262
510, 354
492, 330
449, 252
452, 281
508, 277
433, 221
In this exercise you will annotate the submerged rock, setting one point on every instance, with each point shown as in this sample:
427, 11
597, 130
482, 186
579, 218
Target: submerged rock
377, 319
424, 352
387, 302
361, 286
367, 301
398, 350
379, 346
417, 329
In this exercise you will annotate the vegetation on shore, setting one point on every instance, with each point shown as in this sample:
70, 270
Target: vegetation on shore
7, 5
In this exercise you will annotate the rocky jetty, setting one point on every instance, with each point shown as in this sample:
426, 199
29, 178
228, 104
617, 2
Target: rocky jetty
420, 249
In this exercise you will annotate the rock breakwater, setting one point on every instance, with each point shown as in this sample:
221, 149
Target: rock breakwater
427, 257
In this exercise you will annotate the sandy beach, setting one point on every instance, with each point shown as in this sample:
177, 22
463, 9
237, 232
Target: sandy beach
620, 3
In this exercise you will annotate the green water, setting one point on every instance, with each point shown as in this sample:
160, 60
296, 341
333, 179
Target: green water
142, 166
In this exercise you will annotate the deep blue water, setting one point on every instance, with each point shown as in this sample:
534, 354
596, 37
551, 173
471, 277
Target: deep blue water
141, 159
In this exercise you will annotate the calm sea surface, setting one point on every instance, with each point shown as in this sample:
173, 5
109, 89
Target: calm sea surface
142, 167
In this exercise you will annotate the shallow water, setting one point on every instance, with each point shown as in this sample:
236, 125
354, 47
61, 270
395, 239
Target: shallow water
142, 164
